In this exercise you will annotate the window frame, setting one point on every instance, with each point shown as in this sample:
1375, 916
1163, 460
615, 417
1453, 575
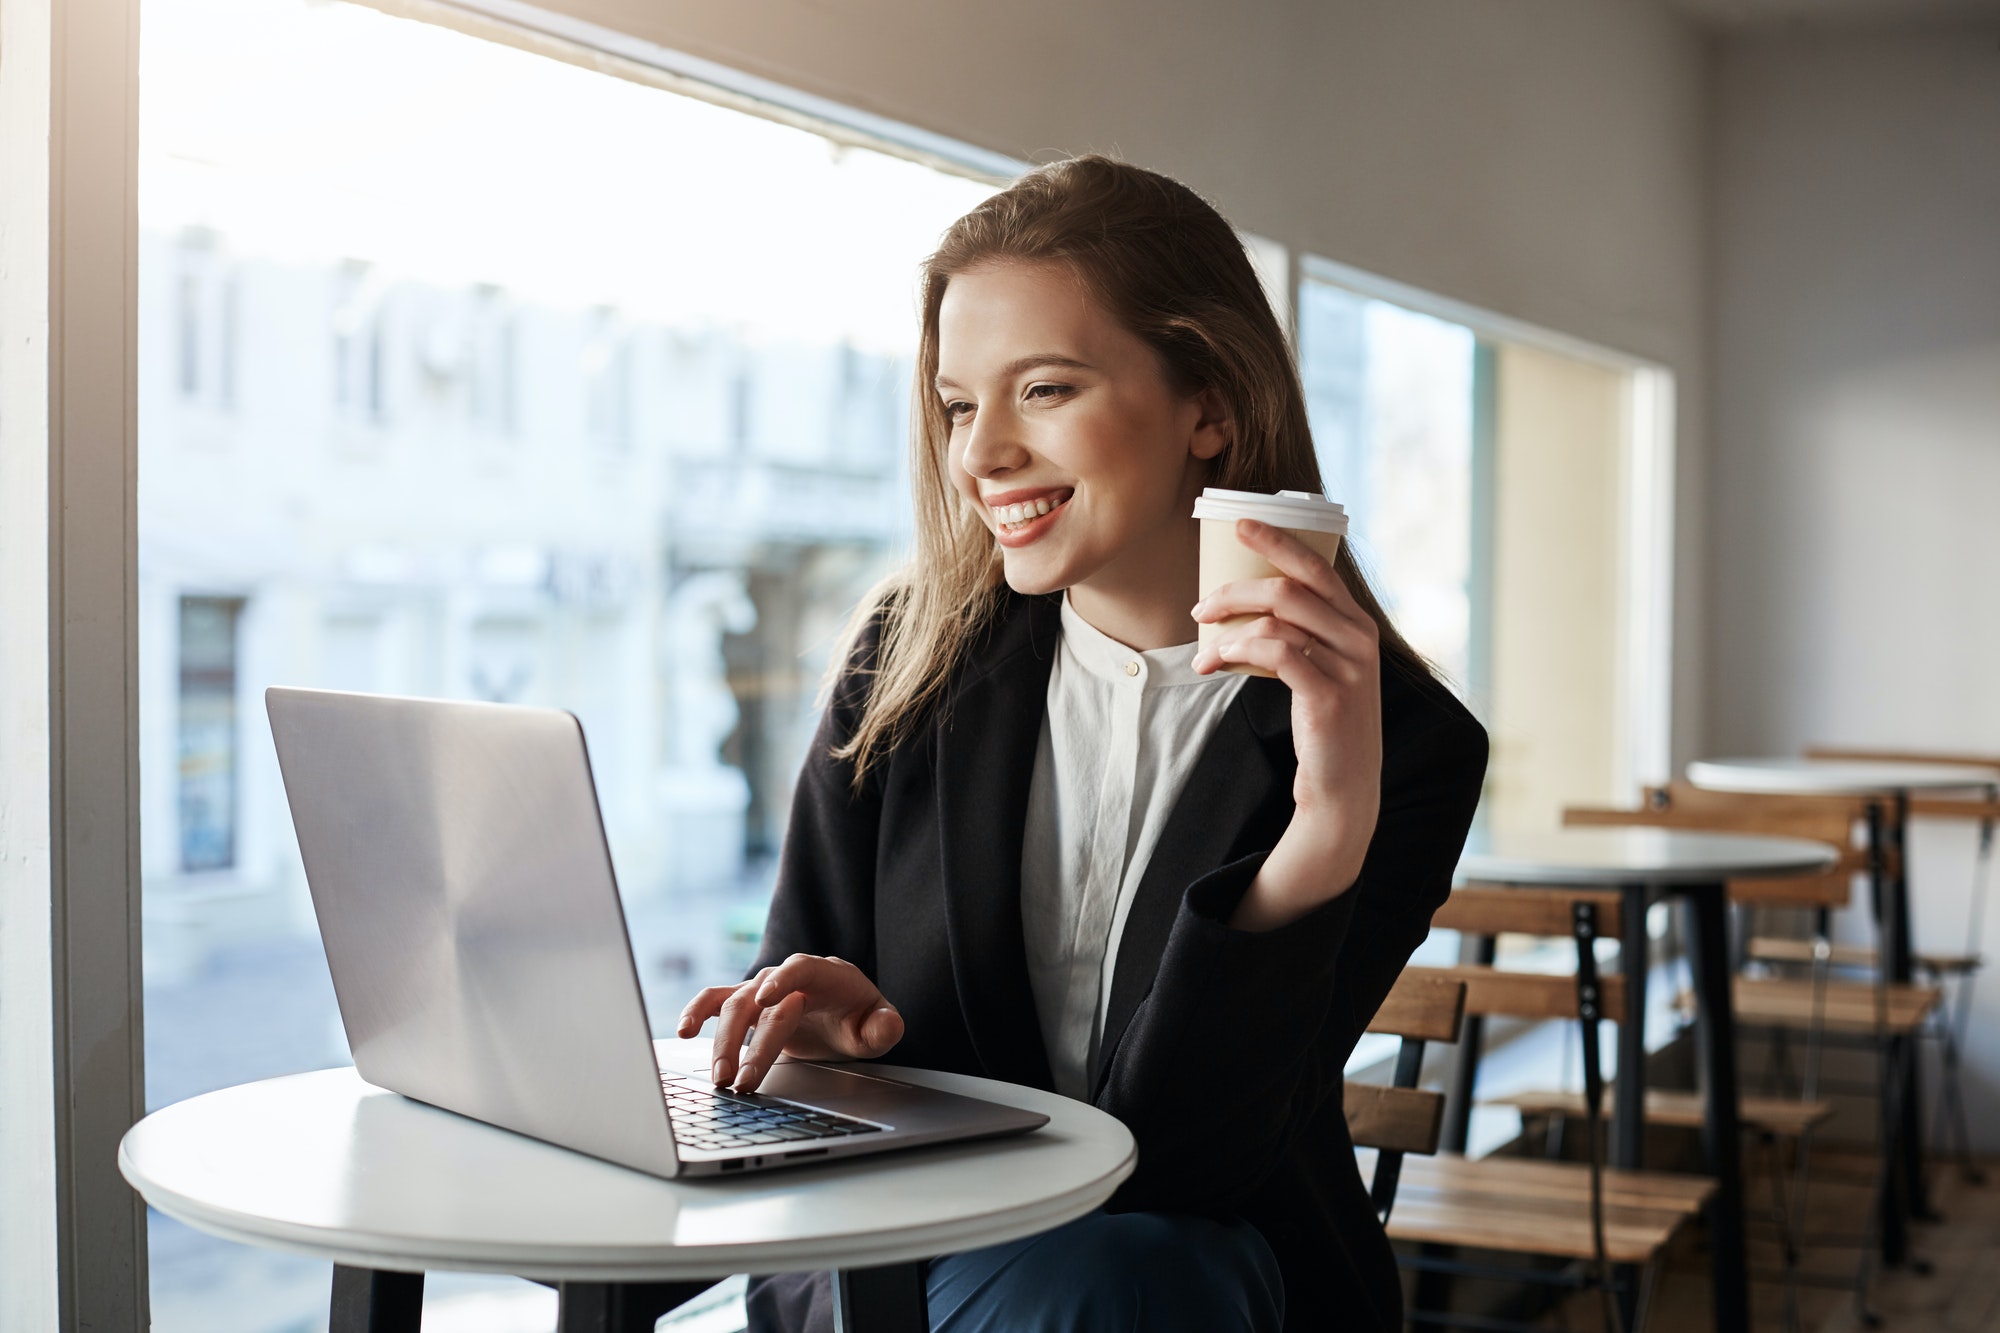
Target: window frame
73, 1236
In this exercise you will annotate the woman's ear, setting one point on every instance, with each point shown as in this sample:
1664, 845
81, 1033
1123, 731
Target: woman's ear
1214, 429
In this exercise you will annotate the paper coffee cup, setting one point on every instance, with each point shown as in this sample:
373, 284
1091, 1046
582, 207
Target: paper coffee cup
1313, 519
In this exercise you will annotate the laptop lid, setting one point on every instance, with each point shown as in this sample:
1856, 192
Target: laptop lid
461, 878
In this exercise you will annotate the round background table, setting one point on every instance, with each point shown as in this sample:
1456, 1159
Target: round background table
326, 1165
1641, 863
1835, 777
1658, 857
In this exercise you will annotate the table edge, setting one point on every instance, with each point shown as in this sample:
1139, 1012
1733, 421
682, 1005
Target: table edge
639, 1263
1598, 876
1785, 784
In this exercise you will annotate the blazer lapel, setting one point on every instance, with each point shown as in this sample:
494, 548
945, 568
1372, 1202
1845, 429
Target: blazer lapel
986, 743
1245, 771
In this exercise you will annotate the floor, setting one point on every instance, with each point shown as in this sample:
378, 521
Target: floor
1961, 1293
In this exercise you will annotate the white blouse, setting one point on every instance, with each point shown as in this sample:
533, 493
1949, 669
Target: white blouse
1122, 732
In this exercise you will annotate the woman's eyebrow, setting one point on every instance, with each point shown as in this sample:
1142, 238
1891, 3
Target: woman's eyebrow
1023, 364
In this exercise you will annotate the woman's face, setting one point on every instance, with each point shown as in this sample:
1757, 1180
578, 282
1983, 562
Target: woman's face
1068, 439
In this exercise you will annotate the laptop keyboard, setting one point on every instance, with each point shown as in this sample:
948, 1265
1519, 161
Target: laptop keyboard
704, 1116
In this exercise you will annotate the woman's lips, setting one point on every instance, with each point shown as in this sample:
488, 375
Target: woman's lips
1027, 515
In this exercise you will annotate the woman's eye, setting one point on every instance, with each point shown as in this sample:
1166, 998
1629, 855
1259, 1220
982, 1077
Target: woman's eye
1049, 392
956, 410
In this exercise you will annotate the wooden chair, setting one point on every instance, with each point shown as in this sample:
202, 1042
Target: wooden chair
1402, 1118
1879, 1009
1583, 1213
1880, 1014
1958, 968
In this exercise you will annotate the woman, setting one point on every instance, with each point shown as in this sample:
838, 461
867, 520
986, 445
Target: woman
1039, 838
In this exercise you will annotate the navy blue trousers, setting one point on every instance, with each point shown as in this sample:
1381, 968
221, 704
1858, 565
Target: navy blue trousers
1114, 1273
1103, 1273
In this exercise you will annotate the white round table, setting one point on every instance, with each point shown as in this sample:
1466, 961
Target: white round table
1640, 863
326, 1165
1835, 777
1652, 856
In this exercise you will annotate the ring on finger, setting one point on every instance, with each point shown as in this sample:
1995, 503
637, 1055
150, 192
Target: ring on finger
1306, 651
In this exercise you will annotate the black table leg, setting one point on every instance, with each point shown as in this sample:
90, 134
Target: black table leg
1721, 1134
1902, 969
1628, 1092
880, 1300
373, 1300
1479, 950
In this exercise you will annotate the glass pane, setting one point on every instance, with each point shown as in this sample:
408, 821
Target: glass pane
469, 373
1390, 395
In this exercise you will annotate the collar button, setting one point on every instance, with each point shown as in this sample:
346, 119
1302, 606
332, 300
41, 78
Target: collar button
1131, 668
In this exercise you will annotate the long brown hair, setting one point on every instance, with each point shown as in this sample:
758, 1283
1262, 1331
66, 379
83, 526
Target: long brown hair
1168, 267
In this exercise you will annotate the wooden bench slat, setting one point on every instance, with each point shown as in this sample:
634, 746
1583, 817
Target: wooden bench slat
1528, 1207
1527, 1177
1847, 1007
1526, 994
1783, 1116
1479, 909
1422, 1007
1427, 1218
1833, 890
1394, 1119
1774, 949
1955, 807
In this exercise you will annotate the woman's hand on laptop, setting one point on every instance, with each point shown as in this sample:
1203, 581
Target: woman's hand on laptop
807, 1007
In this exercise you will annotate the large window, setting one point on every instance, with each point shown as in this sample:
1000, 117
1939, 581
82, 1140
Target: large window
1509, 501
468, 372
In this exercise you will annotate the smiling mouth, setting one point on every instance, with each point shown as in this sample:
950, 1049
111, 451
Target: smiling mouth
1015, 517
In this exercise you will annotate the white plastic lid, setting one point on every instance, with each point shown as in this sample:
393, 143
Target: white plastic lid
1286, 509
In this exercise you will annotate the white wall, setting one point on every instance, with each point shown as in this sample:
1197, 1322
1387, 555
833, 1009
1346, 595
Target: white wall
1856, 462
1542, 158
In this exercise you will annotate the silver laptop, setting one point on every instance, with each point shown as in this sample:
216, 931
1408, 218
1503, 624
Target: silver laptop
463, 886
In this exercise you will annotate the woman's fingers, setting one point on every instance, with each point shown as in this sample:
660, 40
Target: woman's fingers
811, 973
1288, 662
701, 1008
1264, 627
1252, 607
738, 1015
767, 1040
1294, 558
878, 1031
809, 1006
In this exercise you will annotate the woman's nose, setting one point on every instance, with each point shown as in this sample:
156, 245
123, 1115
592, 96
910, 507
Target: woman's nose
993, 446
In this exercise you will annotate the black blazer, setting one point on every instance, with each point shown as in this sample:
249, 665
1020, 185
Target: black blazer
1222, 1049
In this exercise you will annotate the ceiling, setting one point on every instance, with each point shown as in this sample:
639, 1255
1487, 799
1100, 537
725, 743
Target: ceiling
1810, 13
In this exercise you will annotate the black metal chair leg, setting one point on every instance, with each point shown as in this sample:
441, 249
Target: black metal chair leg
373, 1300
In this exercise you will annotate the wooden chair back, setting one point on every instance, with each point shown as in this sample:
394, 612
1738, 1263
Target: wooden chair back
1478, 909
1400, 1117
1984, 809
1828, 819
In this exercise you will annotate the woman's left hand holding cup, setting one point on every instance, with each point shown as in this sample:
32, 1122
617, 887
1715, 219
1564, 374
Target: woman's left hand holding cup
1311, 634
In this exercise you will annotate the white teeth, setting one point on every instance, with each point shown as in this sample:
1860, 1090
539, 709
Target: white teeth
1014, 515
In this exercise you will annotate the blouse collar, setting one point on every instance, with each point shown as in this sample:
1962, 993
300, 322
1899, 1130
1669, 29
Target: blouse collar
1104, 657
